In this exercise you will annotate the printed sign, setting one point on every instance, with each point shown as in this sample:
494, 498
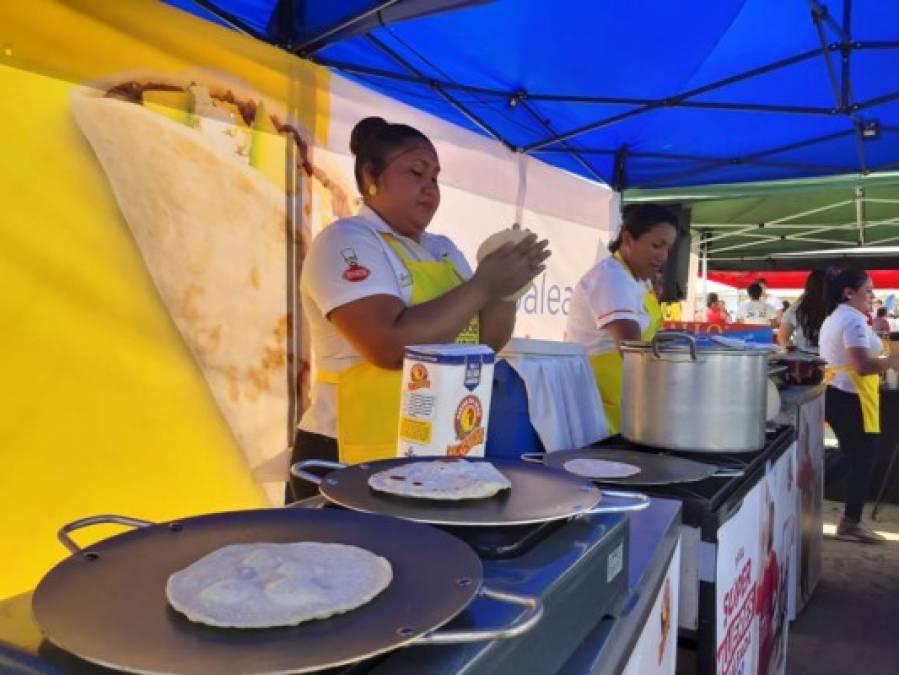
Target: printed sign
736, 572
655, 652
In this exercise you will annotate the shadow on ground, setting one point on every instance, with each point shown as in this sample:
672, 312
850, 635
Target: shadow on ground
851, 624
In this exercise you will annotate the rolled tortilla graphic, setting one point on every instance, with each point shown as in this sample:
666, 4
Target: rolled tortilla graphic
211, 227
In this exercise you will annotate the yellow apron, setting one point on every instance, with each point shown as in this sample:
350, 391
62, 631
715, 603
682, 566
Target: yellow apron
608, 369
868, 388
368, 397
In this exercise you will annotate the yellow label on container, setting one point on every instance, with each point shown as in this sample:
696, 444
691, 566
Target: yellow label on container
416, 431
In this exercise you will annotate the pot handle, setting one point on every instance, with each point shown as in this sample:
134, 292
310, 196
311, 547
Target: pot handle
298, 470
68, 542
673, 336
522, 625
532, 457
640, 502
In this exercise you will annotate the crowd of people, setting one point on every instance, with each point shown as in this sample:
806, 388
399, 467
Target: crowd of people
788, 319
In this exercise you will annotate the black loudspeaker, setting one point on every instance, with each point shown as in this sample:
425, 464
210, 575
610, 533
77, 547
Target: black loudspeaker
676, 274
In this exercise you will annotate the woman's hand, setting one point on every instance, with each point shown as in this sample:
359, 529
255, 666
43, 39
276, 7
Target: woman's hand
864, 364
512, 266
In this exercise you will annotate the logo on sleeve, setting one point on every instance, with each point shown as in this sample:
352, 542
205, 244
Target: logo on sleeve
354, 271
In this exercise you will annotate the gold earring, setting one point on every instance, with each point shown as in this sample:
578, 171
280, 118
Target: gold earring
372, 190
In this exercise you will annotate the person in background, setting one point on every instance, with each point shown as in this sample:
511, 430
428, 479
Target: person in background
771, 300
894, 321
802, 321
713, 313
377, 282
852, 399
778, 314
614, 300
881, 323
754, 311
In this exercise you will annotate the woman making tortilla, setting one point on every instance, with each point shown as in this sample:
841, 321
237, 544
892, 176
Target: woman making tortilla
614, 300
377, 282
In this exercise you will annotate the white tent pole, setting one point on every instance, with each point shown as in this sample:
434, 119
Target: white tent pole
860, 213
704, 250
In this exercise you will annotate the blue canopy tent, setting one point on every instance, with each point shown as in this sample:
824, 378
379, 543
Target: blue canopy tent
644, 94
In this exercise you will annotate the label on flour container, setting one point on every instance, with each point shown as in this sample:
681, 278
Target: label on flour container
446, 400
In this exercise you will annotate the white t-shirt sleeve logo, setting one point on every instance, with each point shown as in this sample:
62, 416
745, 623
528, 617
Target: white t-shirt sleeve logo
354, 271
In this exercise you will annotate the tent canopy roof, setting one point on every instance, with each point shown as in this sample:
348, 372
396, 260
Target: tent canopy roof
643, 94
762, 225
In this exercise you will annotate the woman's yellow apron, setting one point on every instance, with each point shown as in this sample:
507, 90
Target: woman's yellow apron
368, 397
608, 369
868, 388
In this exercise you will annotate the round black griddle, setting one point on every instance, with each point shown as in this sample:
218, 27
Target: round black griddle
655, 469
108, 604
537, 495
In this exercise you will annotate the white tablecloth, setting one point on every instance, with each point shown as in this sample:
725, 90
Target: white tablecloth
563, 401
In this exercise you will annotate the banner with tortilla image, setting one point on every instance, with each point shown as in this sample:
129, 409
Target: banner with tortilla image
149, 246
204, 171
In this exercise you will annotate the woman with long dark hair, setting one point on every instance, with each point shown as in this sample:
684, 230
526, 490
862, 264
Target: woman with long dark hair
852, 401
801, 323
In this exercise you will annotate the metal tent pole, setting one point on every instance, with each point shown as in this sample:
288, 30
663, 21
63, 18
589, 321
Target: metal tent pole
860, 213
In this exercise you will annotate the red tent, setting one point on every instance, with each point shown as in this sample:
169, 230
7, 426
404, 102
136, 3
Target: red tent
795, 279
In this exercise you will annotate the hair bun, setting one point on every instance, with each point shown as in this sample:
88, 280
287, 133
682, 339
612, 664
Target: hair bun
364, 131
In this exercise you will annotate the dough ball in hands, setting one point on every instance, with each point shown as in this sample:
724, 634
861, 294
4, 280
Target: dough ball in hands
498, 240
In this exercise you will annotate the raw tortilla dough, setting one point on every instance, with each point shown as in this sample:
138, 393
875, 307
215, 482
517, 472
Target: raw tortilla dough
441, 479
264, 585
498, 240
600, 468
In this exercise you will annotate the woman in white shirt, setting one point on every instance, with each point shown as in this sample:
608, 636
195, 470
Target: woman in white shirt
801, 323
377, 282
614, 300
852, 401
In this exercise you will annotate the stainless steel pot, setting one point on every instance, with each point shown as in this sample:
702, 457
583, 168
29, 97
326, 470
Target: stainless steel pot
681, 397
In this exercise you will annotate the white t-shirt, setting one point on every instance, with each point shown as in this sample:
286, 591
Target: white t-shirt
347, 261
606, 293
756, 313
846, 327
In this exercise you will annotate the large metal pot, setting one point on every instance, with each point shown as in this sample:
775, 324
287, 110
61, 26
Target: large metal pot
694, 399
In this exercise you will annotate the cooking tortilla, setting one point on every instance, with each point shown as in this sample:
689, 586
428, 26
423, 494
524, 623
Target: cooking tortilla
600, 468
194, 161
266, 585
441, 479
498, 240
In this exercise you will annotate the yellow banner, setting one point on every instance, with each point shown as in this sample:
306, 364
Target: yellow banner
126, 388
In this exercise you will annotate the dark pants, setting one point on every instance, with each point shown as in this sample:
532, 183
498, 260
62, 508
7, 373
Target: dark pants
307, 445
855, 460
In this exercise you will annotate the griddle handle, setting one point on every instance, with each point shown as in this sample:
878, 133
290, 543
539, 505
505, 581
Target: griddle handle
298, 470
532, 457
728, 472
522, 625
68, 542
640, 502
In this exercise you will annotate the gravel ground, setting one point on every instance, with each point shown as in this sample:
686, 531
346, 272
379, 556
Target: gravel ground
851, 624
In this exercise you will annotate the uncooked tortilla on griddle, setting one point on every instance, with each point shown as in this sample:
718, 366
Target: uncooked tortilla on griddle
264, 585
441, 479
600, 468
